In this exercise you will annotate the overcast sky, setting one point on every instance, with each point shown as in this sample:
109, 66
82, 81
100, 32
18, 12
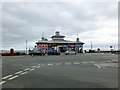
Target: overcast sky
95, 22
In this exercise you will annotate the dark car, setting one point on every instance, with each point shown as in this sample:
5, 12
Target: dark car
53, 52
37, 53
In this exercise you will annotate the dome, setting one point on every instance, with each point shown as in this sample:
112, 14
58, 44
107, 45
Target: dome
57, 33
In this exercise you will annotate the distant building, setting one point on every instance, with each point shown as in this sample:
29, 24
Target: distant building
58, 43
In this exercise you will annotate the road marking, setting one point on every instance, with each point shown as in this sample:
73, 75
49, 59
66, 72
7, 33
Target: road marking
108, 61
76, 63
38, 66
115, 61
84, 62
7, 76
19, 72
50, 64
58, 64
68, 63
31, 69
13, 77
27, 69
34, 66
97, 65
2, 82
24, 73
43, 65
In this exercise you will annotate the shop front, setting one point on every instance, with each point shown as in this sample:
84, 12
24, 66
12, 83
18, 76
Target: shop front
58, 43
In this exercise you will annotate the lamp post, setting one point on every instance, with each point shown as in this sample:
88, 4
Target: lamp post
91, 46
26, 47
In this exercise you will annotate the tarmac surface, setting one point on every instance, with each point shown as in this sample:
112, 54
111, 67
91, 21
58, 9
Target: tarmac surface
90, 70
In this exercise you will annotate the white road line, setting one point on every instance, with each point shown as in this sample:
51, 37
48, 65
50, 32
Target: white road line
13, 77
108, 61
34, 66
24, 73
50, 64
7, 76
27, 69
31, 69
76, 63
19, 72
58, 64
68, 63
43, 65
84, 62
97, 65
2, 82
38, 66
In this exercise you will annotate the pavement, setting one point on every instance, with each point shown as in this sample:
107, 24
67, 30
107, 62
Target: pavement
92, 70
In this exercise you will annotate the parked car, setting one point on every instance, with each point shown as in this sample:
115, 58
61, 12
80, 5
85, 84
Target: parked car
70, 52
37, 53
53, 52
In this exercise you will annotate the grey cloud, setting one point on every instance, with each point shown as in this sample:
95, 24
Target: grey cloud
27, 21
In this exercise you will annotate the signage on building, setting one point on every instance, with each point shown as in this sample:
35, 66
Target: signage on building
42, 46
71, 45
65, 45
60, 46
77, 45
52, 44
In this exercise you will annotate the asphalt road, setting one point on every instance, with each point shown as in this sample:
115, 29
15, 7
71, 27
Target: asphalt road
64, 71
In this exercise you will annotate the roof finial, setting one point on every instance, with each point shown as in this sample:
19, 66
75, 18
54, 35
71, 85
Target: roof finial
43, 38
58, 28
77, 35
77, 39
42, 34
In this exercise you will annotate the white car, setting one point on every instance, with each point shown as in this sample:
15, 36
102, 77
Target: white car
70, 52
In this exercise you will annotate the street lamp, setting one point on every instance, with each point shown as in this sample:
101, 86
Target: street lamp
26, 47
91, 46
